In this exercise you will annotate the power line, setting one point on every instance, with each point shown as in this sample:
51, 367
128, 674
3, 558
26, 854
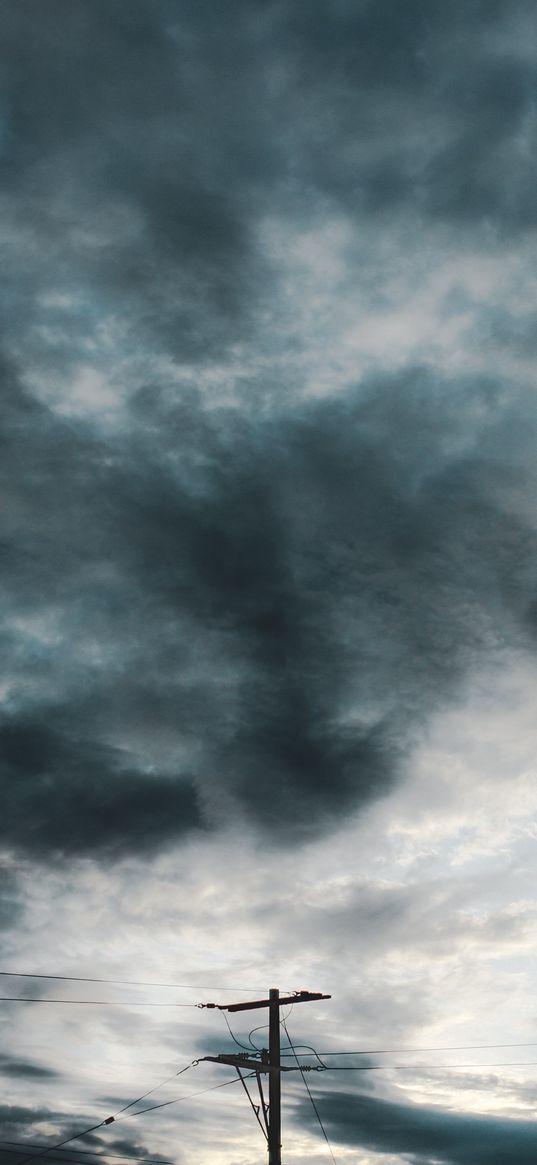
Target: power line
87, 1153
111, 1119
188, 1096
451, 1048
420, 1067
315, 1109
88, 1002
173, 1076
129, 982
54, 1148
71, 1160
108, 1121
233, 1037
262, 1028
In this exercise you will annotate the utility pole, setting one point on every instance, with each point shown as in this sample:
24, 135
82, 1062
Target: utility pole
269, 1062
275, 1081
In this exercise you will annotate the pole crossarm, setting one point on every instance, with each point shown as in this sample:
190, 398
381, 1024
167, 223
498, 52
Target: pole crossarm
241, 1060
297, 997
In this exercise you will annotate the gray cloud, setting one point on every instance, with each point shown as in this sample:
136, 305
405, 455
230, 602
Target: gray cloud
11, 904
145, 145
438, 918
226, 614
422, 1134
18, 1122
241, 613
11, 1066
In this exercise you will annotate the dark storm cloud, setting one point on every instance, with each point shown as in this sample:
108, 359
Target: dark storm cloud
71, 795
233, 614
418, 107
241, 613
129, 155
144, 143
11, 1066
421, 1134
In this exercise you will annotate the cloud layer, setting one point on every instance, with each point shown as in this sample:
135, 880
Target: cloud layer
226, 614
424, 1134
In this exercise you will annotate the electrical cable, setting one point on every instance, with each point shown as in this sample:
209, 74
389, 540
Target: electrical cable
244, 1047
129, 982
88, 1002
262, 1028
450, 1048
421, 1067
283, 1021
311, 1050
108, 1121
315, 1109
54, 1148
90, 1153
188, 1096
76, 1160
149, 1092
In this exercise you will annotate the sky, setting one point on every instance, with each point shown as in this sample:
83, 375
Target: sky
269, 585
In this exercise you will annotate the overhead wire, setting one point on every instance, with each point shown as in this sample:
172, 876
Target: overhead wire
244, 1047
108, 1120
118, 1117
188, 1096
88, 1002
264, 1027
308, 1090
72, 1160
445, 1048
421, 1067
297, 1046
75, 1155
129, 982
90, 1153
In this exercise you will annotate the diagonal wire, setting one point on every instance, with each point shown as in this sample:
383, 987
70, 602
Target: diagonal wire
188, 1096
314, 1106
109, 1120
149, 1092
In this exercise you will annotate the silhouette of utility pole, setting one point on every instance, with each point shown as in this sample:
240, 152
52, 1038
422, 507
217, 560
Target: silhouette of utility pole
269, 1063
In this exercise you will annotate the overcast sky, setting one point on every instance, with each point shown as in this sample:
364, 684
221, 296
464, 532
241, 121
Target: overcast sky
269, 486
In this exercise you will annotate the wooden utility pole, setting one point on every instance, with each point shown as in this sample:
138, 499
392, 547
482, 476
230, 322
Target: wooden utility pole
275, 1081
268, 1063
